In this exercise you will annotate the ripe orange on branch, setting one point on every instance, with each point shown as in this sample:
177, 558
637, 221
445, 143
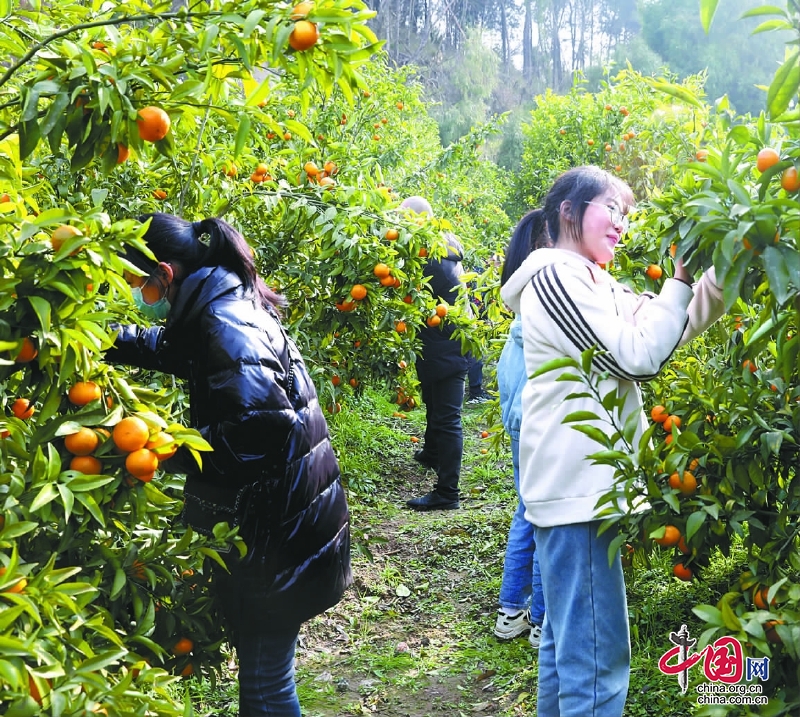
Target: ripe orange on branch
681, 572
358, 292
86, 464
182, 647
61, 234
22, 408
766, 158
659, 414
685, 483
671, 536
153, 122
163, 445
130, 434
790, 179
304, 35
27, 352
654, 271
83, 392
671, 421
301, 10
82, 442
141, 463
381, 270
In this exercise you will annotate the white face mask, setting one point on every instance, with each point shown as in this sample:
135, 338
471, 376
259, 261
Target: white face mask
156, 311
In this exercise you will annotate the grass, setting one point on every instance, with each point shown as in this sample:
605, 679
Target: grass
413, 637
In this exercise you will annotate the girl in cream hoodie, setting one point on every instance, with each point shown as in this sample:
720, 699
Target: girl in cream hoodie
567, 304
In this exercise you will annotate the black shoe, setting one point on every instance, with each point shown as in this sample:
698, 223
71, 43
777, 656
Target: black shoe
423, 458
433, 501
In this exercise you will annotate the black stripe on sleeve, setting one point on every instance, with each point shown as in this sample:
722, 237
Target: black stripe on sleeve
562, 309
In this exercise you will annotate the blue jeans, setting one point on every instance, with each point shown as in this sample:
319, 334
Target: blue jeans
444, 438
522, 581
475, 377
585, 653
265, 644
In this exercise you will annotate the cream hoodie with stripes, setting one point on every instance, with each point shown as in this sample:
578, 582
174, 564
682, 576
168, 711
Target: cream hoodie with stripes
567, 305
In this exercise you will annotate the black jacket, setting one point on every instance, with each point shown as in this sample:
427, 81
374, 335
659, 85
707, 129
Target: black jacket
441, 353
272, 470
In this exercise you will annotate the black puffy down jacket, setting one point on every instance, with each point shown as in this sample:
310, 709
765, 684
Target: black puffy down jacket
272, 469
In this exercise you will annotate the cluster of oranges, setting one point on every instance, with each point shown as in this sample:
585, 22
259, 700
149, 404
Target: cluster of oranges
674, 538
322, 176
436, 318
660, 415
131, 436
305, 33
768, 157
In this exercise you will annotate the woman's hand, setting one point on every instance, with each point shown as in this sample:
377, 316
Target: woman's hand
681, 274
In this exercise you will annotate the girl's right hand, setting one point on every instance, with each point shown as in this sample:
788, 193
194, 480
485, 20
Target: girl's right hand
680, 272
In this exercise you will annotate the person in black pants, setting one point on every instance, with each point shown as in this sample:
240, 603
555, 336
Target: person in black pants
442, 370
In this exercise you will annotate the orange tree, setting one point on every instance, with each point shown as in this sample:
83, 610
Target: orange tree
102, 118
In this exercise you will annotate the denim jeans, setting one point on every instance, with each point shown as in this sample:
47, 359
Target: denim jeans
444, 438
585, 653
265, 644
522, 581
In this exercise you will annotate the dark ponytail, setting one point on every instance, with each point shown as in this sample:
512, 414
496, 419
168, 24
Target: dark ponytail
530, 233
208, 242
228, 248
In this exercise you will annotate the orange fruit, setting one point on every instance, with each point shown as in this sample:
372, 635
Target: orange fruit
16, 587
333, 409
400, 327
131, 434
434, 320
182, 647
770, 632
311, 169
681, 572
659, 414
414, 439
749, 365
683, 547
766, 158
86, 464
671, 536
790, 179
163, 445
81, 443
153, 123
670, 422
83, 392
122, 153
760, 598
673, 249
358, 292
423, 252
187, 671
22, 408
231, 170
391, 234
381, 270
141, 463
304, 35
654, 271
353, 382
28, 352
441, 310
257, 178
327, 182
346, 305
61, 234
484, 434
336, 380
701, 155
387, 281
300, 10
160, 194
399, 105
330, 168
693, 464
686, 483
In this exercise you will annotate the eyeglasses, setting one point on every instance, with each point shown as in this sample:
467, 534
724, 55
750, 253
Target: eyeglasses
618, 219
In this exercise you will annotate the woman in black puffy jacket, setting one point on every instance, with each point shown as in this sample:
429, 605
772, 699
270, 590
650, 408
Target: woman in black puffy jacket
272, 471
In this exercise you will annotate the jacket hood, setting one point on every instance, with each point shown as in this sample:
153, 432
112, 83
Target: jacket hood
536, 261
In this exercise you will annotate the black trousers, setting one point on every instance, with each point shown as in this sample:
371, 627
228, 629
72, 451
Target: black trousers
444, 438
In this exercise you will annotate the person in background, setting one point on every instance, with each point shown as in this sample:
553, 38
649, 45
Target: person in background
476, 394
568, 304
442, 370
272, 470
521, 597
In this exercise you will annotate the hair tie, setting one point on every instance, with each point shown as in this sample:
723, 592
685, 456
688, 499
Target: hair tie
204, 237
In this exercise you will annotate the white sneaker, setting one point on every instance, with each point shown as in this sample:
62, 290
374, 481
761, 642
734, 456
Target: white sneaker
535, 636
511, 623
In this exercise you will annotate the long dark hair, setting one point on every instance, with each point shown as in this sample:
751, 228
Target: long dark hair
578, 186
529, 234
172, 238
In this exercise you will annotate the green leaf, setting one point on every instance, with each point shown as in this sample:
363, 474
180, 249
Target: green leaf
242, 133
694, 523
785, 84
581, 416
594, 433
709, 613
120, 579
45, 495
554, 365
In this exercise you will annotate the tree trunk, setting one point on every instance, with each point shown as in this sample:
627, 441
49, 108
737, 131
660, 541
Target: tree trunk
527, 42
